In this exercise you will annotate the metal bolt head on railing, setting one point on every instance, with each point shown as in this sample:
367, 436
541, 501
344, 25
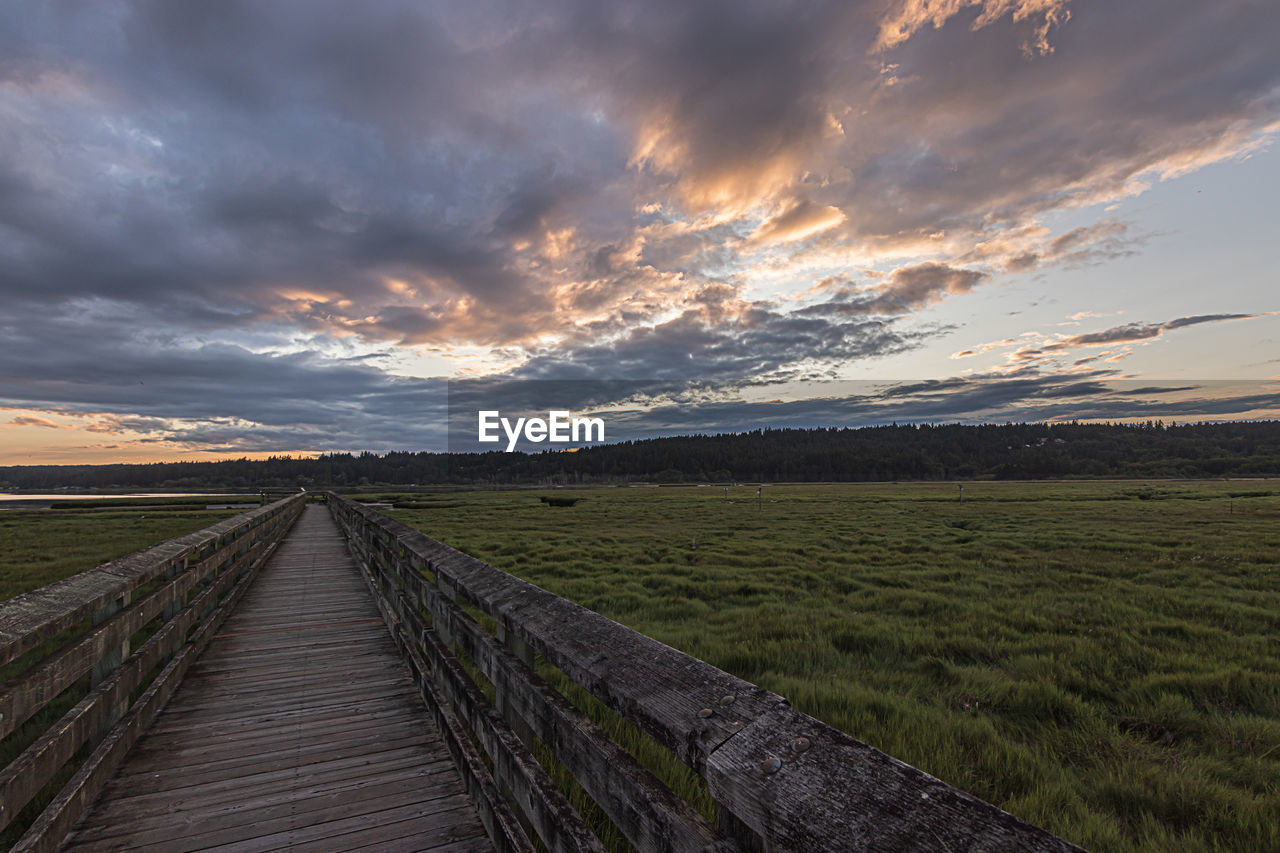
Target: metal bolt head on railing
772, 764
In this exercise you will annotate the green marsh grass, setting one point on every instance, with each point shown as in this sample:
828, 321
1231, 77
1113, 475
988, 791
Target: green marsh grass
38, 547
1099, 658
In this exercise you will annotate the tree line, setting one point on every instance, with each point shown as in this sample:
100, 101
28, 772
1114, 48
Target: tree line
881, 453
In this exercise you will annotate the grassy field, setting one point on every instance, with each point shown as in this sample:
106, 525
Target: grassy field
38, 547
1098, 658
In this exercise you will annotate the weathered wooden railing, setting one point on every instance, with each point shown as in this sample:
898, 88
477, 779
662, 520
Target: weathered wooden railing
781, 779
75, 636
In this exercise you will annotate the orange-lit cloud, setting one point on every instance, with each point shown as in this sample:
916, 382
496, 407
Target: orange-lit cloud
797, 221
910, 16
33, 421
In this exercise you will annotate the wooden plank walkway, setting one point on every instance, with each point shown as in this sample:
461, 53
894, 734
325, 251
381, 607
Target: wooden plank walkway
300, 729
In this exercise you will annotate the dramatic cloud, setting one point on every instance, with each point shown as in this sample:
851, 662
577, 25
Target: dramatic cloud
227, 216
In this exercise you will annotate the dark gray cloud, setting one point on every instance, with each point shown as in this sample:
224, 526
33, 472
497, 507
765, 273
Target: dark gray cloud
1133, 332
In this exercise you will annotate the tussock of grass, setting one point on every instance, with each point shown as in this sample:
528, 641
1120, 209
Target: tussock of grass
1098, 658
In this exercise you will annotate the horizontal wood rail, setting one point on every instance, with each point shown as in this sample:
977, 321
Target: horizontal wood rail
72, 639
782, 779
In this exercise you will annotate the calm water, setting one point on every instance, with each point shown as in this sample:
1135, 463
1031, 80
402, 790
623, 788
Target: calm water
76, 496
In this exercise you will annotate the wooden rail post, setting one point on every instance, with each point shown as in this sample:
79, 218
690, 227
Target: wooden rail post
108, 664
175, 606
110, 661
521, 652
503, 705
449, 594
174, 571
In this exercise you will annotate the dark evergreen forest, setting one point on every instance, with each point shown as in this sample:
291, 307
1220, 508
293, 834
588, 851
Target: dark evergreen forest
899, 452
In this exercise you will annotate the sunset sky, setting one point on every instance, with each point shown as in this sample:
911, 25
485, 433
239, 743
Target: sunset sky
236, 229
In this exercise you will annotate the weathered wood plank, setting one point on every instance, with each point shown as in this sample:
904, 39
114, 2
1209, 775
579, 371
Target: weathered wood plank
803, 785
184, 721
466, 845
190, 803
448, 832
219, 755
323, 724
176, 773
282, 665
199, 830
175, 796
27, 620
269, 703
518, 775
319, 740
448, 821
287, 674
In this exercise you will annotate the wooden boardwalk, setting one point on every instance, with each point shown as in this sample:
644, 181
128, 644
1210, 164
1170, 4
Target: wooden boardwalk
300, 729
